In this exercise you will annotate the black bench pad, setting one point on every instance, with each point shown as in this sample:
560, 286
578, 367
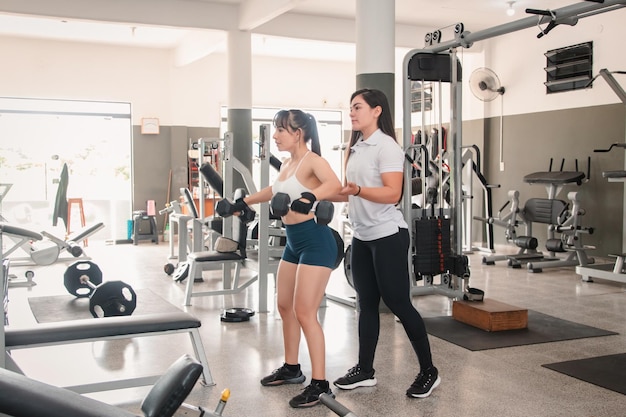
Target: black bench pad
76, 330
21, 396
19, 231
212, 256
555, 177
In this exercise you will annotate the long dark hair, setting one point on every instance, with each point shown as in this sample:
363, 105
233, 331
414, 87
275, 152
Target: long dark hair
374, 98
293, 120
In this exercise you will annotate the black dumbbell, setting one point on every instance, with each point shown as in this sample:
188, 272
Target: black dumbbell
226, 208
106, 299
324, 210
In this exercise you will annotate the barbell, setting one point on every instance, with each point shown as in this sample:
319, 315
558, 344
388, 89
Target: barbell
106, 299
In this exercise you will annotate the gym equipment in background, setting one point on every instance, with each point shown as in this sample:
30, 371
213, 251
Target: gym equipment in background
615, 271
563, 220
190, 235
106, 299
437, 62
197, 241
197, 261
526, 243
262, 245
21, 396
20, 237
472, 169
436, 227
45, 252
565, 230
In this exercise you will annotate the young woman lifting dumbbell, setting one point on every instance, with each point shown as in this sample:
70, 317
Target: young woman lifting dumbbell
310, 253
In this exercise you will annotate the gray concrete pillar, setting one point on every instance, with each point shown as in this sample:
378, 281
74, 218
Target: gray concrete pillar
375, 47
240, 98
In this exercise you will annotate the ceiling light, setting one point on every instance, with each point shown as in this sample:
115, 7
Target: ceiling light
510, 11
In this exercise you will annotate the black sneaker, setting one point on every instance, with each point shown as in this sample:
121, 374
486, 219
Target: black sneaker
311, 395
424, 384
356, 378
282, 376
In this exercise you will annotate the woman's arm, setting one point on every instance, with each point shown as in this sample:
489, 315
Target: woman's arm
260, 196
389, 193
329, 185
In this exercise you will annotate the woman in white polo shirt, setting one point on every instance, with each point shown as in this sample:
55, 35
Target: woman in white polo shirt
380, 244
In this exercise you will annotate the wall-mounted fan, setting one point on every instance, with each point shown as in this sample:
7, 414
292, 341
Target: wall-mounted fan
485, 84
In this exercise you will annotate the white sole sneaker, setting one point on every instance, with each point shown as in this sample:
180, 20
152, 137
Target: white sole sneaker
370, 382
426, 394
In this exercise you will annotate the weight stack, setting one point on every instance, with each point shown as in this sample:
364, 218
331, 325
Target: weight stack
432, 246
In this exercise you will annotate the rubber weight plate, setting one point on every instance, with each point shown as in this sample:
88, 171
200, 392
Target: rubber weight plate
340, 247
72, 275
112, 298
347, 266
236, 314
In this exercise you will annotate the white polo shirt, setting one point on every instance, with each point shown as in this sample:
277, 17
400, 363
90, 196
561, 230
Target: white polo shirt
368, 159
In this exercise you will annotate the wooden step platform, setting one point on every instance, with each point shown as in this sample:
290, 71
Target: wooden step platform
490, 315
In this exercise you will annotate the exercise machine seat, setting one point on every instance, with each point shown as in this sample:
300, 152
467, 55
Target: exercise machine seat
171, 389
21, 396
555, 177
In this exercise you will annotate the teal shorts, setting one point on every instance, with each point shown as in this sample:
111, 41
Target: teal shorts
310, 243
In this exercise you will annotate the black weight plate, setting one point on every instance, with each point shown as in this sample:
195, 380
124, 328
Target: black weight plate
234, 319
239, 311
340, 247
236, 314
113, 298
169, 268
181, 272
72, 275
347, 265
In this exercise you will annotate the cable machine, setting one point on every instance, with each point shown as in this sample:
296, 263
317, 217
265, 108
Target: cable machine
436, 228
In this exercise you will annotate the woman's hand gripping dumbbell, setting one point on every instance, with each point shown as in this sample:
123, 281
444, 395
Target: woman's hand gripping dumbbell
323, 210
227, 208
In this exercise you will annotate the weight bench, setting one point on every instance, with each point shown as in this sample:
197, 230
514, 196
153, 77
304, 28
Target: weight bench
560, 217
44, 253
107, 328
19, 236
198, 260
21, 396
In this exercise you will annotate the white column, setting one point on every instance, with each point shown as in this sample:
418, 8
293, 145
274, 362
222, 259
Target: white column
375, 46
240, 97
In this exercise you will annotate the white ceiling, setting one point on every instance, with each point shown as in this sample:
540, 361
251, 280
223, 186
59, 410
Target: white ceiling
420, 14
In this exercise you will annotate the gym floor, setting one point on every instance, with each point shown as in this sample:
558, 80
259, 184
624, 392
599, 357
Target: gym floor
495, 382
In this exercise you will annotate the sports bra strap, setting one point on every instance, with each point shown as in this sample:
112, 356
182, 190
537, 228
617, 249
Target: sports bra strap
299, 163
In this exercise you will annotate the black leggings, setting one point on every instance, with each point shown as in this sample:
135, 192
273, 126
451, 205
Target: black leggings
380, 269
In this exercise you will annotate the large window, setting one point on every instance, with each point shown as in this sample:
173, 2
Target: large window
37, 137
